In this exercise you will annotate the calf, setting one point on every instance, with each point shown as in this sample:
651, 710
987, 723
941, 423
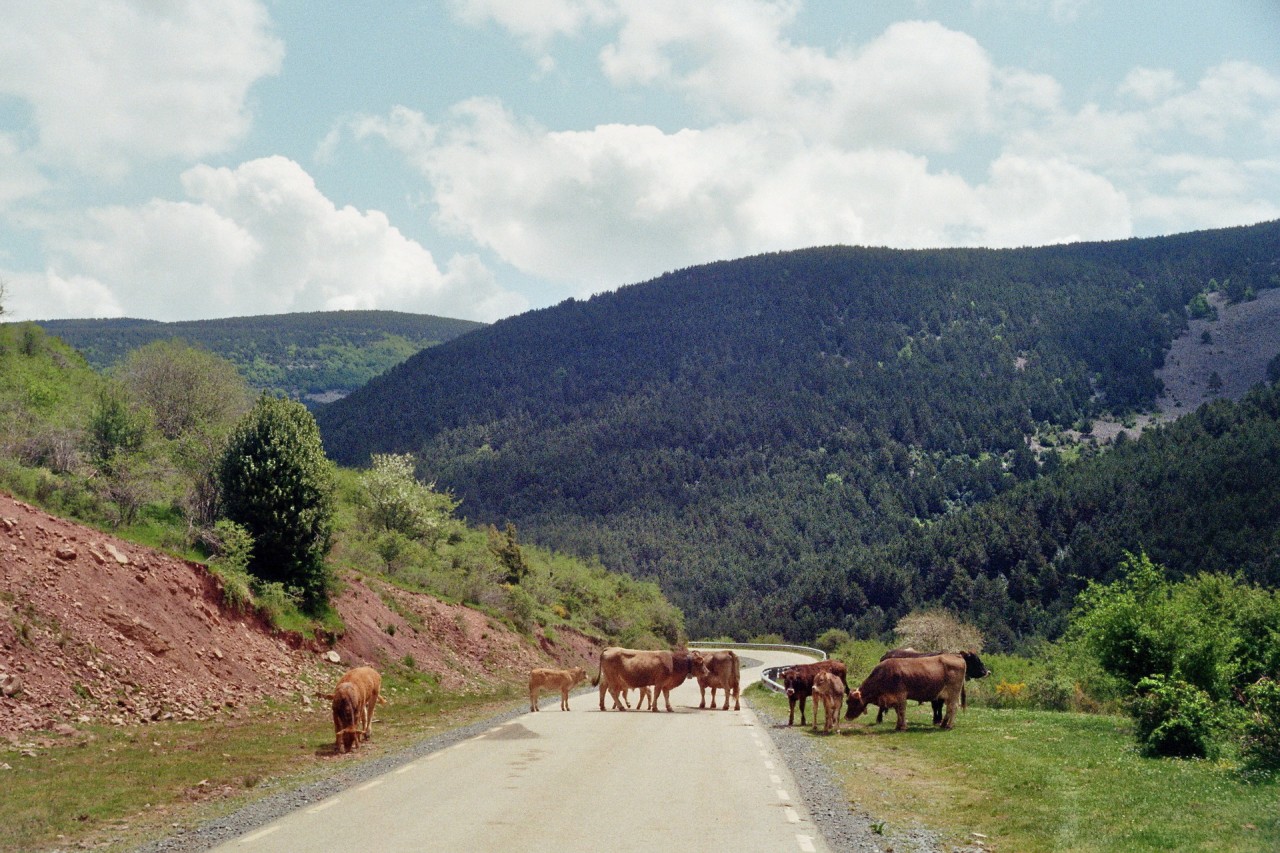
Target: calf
552, 679
974, 668
829, 690
723, 671
357, 693
896, 681
797, 681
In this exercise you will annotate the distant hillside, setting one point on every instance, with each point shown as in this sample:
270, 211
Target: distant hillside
752, 433
318, 356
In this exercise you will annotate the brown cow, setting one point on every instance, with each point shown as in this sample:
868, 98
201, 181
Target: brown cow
829, 690
974, 668
622, 669
797, 681
354, 698
724, 672
896, 681
552, 679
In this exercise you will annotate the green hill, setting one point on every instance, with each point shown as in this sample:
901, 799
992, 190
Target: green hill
317, 356
753, 433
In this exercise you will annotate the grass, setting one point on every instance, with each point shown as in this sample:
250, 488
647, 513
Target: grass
115, 789
1044, 781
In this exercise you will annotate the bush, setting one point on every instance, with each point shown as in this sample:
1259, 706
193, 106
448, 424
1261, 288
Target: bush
1260, 744
1174, 719
831, 639
936, 631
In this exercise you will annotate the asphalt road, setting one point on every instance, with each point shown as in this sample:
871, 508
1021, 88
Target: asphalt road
581, 780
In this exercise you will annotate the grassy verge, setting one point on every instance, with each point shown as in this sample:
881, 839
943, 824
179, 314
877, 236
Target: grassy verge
115, 789
1041, 780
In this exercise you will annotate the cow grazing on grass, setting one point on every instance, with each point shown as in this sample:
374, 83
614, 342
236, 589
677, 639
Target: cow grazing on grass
622, 669
974, 668
357, 693
828, 690
563, 680
797, 681
724, 672
896, 681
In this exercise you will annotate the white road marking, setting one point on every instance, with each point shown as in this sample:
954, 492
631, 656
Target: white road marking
768, 765
783, 795
775, 779
793, 816
326, 804
249, 839
367, 785
806, 843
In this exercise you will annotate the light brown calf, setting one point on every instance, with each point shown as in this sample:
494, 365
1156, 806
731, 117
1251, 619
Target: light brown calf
828, 690
358, 691
551, 679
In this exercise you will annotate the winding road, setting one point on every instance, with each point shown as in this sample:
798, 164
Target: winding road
581, 780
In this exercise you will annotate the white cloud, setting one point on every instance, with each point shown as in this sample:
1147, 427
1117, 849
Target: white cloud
111, 81
262, 239
47, 296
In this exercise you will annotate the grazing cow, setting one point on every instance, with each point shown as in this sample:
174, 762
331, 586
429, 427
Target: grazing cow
723, 672
551, 679
974, 668
622, 669
896, 681
354, 698
798, 683
828, 689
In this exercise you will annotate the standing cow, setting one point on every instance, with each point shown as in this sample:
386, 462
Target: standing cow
552, 679
797, 681
828, 690
357, 693
622, 669
896, 681
974, 668
724, 672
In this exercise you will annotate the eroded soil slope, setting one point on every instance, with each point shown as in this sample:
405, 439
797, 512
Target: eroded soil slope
93, 628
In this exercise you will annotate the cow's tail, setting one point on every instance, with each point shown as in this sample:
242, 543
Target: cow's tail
962, 697
595, 680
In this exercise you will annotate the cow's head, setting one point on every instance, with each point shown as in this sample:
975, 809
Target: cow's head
346, 711
579, 674
698, 665
856, 706
793, 682
973, 666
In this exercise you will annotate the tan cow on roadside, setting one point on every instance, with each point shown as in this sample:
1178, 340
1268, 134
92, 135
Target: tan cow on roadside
724, 672
563, 680
622, 669
896, 681
358, 692
828, 691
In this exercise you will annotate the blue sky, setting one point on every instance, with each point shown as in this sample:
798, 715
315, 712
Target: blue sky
180, 159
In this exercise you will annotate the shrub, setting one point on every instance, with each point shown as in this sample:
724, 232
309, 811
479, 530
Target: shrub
1173, 718
831, 639
936, 630
1260, 744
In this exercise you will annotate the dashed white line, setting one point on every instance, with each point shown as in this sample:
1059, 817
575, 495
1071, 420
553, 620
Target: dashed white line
768, 765
806, 843
793, 816
325, 805
783, 795
775, 780
249, 839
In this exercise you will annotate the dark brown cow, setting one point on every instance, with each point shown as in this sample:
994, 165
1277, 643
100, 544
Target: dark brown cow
797, 681
896, 681
724, 672
563, 680
622, 669
974, 668
358, 691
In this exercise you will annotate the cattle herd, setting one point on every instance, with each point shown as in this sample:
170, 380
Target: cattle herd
901, 676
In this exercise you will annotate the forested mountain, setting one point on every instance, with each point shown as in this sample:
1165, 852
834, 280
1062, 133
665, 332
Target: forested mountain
318, 353
755, 434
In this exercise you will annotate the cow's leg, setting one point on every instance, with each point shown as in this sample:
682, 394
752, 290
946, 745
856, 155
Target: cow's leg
533, 699
791, 717
901, 708
604, 687
702, 696
564, 698
880, 714
950, 719
737, 706
803, 699
937, 711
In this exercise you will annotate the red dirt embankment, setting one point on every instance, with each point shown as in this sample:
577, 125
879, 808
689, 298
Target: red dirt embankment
93, 628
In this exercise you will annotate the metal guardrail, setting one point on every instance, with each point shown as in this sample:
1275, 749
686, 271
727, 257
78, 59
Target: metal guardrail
770, 674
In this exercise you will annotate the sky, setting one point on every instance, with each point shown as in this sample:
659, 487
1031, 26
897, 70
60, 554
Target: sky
182, 159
